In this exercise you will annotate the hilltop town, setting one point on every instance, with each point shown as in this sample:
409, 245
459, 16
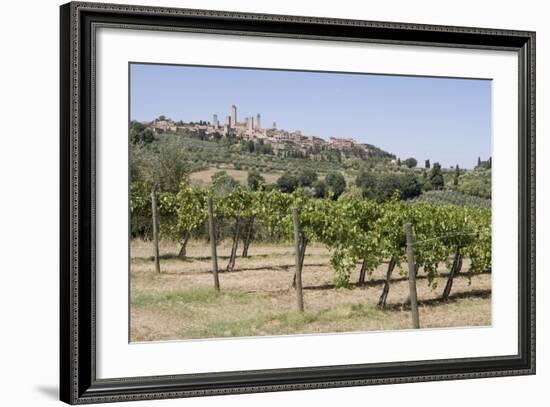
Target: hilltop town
282, 159
251, 130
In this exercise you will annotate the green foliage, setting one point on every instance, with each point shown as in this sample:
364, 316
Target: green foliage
436, 177
140, 210
237, 204
343, 262
167, 212
476, 183
255, 181
382, 186
336, 183
190, 208
480, 251
352, 192
271, 207
208, 150
410, 162
351, 238
320, 189
306, 177
139, 134
453, 198
287, 182
223, 184
162, 167
354, 229
484, 165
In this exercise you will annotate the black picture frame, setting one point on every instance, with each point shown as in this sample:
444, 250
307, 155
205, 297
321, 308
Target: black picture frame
78, 382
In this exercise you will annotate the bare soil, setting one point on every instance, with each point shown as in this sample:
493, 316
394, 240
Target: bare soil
204, 177
257, 298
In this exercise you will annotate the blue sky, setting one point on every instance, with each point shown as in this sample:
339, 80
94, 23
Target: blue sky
441, 119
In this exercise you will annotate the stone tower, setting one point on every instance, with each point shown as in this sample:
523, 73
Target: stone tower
233, 116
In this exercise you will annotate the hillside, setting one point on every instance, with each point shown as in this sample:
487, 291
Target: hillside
227, 153
366, 169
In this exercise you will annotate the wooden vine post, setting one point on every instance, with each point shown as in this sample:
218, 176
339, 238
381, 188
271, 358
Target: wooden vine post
155, 230
234, 245
455, 269
412, 276
297, 249
213, 251
386, 289
362, 273
248, 236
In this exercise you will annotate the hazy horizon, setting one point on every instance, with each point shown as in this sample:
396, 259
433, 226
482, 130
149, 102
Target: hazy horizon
446, 120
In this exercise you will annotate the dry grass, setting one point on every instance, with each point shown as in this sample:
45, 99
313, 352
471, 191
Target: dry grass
256, 299
204, 177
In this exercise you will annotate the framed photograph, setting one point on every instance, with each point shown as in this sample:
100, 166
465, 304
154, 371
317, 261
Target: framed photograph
256, 203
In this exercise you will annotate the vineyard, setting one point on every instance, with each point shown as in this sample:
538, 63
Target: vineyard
345, 246
452, 198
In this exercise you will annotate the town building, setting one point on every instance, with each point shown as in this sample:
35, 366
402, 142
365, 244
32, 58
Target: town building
163, 125
258, 122
233, 116
341, 143
251, 130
